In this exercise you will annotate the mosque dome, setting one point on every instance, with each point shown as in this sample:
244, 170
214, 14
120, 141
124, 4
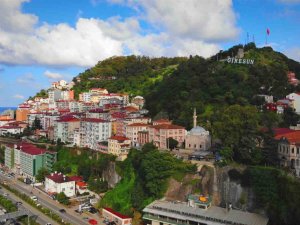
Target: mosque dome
198, 130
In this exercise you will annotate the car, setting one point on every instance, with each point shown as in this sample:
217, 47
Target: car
34, 198
19, 203
93, 210
48, 224
5, 194
62, 210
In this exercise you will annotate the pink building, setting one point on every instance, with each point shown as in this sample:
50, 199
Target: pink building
159, 134
132, 131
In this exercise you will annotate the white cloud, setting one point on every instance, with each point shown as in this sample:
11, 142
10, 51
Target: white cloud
12, 19
17, 96
212, 20
181, 28
53, 76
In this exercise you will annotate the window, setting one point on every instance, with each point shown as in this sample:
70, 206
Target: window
297, 150
292, 150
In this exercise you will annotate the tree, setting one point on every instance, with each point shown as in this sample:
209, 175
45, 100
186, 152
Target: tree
171, 143
227, 154
290, 118
2, 154
41, 174
36, 124
237, 127
62, 198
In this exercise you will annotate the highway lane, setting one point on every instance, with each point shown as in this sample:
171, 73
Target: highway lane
41, 218
45, 201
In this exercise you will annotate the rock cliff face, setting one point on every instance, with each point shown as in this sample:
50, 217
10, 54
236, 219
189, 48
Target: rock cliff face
231, 191
223, 189
110, 175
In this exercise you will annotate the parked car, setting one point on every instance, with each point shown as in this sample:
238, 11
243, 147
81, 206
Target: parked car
5, 194
19, 203
34, 198
93, 210
62, 210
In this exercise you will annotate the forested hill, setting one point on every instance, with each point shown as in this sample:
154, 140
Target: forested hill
177, 85
131, 74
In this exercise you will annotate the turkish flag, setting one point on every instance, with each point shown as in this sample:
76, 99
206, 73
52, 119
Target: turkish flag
268, 31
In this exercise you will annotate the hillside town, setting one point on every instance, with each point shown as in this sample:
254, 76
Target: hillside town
114, 123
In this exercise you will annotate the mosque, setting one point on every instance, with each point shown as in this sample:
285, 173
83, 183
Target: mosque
197, 138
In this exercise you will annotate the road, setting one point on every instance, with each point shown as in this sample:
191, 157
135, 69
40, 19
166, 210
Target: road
70, 216
41, 218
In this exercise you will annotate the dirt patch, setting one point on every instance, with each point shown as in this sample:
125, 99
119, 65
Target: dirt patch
178, 191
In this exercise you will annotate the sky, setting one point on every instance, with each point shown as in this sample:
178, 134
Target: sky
44, 41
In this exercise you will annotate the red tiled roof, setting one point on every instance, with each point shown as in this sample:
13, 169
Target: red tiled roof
292, 137
68, 119
93, 120
167, 126
58, 178
280, 131
119, 138
116, 213
31, 149
10, 127
6, 119
161, 121
98, 110
76, 178
81, 184
138, 125
130, 109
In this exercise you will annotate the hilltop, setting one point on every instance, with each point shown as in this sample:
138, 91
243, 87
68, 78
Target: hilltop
174, 86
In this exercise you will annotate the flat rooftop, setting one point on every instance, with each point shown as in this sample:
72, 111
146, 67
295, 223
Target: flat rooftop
212, 215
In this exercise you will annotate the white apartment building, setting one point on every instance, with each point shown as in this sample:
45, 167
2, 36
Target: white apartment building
64, 129
85, 97
93, 131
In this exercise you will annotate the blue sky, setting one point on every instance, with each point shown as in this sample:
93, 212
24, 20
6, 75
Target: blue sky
44, 41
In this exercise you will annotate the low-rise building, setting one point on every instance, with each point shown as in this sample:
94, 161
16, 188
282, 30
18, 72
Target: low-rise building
10, 130
198, 211
289, 150
113, 216
132, 131
57, 182
119, 146
159, 134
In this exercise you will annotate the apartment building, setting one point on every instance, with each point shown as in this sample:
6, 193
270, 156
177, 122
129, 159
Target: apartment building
92, 131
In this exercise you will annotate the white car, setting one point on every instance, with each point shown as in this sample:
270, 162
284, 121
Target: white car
34, 198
